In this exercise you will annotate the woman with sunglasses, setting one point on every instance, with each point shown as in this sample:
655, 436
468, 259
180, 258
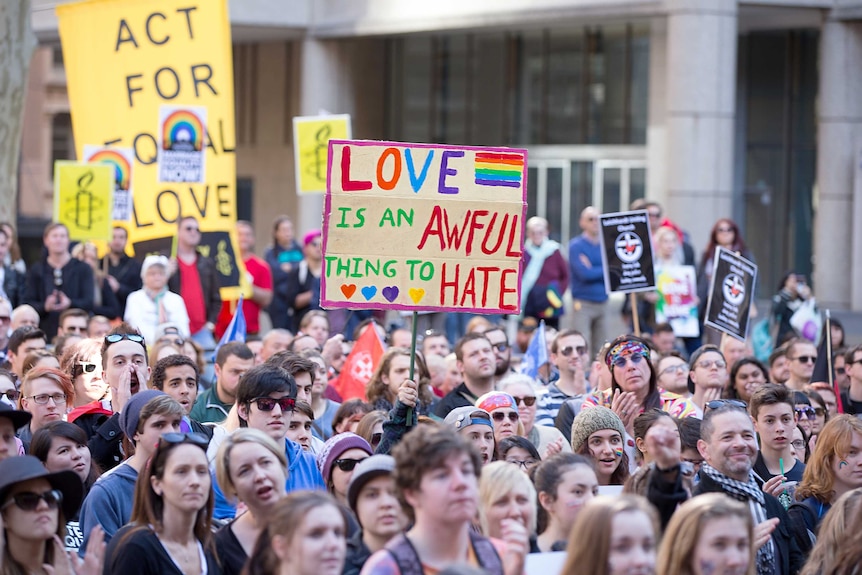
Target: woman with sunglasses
504, 414
393, 370
805, 414
170, 527
62, 446
252, 469
83, 363
337, 460
34, 504
547, 440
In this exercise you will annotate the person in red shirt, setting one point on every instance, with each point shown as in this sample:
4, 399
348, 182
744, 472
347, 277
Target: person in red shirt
195, 278
258, 274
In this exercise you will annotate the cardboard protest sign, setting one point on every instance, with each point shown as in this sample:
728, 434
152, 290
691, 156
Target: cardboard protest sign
731, 293
181, 144
626, 252
121, 160
130, 65
677, 302
311, 135
83, 195
423, 227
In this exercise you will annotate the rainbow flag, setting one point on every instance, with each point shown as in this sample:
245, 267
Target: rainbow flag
499, 169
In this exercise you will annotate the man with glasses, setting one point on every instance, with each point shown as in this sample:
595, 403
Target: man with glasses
707, 376
568, 350
73, 321
266, 398
852, 398
728, 445
801, 354
47, 395
502, 351
773, 412
586, 273
232, 361
195, 278
22, 341
477, 362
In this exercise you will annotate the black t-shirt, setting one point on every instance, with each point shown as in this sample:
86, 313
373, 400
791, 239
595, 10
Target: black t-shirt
792, 474
134, 550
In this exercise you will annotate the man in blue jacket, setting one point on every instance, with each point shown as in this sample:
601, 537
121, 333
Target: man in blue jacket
586, 274
265, 398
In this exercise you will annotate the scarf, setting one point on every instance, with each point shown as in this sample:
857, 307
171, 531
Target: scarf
538, 255
747, 492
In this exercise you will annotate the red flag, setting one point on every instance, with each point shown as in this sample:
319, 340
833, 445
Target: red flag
359, 365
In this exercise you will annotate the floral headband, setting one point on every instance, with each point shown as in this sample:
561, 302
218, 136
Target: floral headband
627, 347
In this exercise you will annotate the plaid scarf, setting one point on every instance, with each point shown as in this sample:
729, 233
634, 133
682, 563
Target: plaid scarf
748, 492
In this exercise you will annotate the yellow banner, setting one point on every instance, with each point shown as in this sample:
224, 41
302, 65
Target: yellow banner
135, 70
311, 135
83, 199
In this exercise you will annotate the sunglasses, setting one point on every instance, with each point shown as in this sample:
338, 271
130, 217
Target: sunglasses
500, 346
29, 501
724, 229
708, 363
347, 464
716, 403
42, 398
269, 403
11, 394
87, 367
806, 358
499, 416
375, 439
528, 400
805, 412
569, 349
194, 438
621, 361
819, 412
175, 340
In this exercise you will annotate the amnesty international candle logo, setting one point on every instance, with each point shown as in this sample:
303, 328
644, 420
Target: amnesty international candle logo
181, 153
82, 199
629, 247
734, 289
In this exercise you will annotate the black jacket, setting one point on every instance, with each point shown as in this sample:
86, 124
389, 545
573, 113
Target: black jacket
14, 286
77, 284
209, 286
357, 554
790, 558
128, 274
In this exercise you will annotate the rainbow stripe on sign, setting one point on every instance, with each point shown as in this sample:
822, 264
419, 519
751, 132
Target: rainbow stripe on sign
183, 127
498, 169
122, 169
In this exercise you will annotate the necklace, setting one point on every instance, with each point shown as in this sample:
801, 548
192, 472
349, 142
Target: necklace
186, 556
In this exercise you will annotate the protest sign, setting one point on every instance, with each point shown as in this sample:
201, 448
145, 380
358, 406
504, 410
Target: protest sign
677, 302
83, 199
121, 161
311, 135
730, 294
423, 227
129, 66
626, 252
181, 143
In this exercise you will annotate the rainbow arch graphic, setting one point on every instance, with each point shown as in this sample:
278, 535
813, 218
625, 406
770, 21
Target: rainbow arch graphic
183, 126
122, 168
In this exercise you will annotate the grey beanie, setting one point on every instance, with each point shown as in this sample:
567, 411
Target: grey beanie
366, 470
591, 420
131, 413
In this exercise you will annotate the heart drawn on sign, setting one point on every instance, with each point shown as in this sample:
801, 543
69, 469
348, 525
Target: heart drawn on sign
416, 294
369, 292
348, 290
390, 293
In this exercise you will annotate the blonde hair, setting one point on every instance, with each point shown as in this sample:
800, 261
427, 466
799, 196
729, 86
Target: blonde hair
832, 536
237, 438
589, 544
497, 480
676, 554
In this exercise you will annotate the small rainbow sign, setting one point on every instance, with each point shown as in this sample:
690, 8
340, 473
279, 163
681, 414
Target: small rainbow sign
183, 127
122, 167
499, 169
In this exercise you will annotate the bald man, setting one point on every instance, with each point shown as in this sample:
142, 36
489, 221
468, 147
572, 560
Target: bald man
587, 280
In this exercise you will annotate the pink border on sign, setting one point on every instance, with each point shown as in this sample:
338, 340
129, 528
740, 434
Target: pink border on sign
329, 304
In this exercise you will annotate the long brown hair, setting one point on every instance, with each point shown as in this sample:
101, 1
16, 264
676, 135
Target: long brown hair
833, 443
376, 389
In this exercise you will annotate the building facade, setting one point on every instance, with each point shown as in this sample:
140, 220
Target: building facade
714, 108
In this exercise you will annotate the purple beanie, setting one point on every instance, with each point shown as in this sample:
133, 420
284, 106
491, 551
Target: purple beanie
334, 447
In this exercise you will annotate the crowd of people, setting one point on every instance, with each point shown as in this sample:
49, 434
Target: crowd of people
120, 453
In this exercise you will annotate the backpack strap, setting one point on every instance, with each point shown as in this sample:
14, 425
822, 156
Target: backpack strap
405, 555
487, 554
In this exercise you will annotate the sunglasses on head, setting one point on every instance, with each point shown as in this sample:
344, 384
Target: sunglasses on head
499, 416
716, 403
116, 337
569, 349
347, 464
269, 403
805, 412
529, 400
29, 501
194, 438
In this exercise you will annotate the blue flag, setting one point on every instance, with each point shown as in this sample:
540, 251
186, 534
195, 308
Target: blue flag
537, 353
235, 329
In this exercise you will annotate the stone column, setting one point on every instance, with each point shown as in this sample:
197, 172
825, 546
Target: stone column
838, 225
657, 113
700, 95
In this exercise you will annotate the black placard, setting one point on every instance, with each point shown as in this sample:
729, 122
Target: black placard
216, 245
627, 252
731, 294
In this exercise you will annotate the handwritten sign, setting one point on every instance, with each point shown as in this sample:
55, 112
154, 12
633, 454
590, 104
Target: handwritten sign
731, 294
627, 252
83, 199
311, 135
423, 227
121, 161
677, 301
130, 65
